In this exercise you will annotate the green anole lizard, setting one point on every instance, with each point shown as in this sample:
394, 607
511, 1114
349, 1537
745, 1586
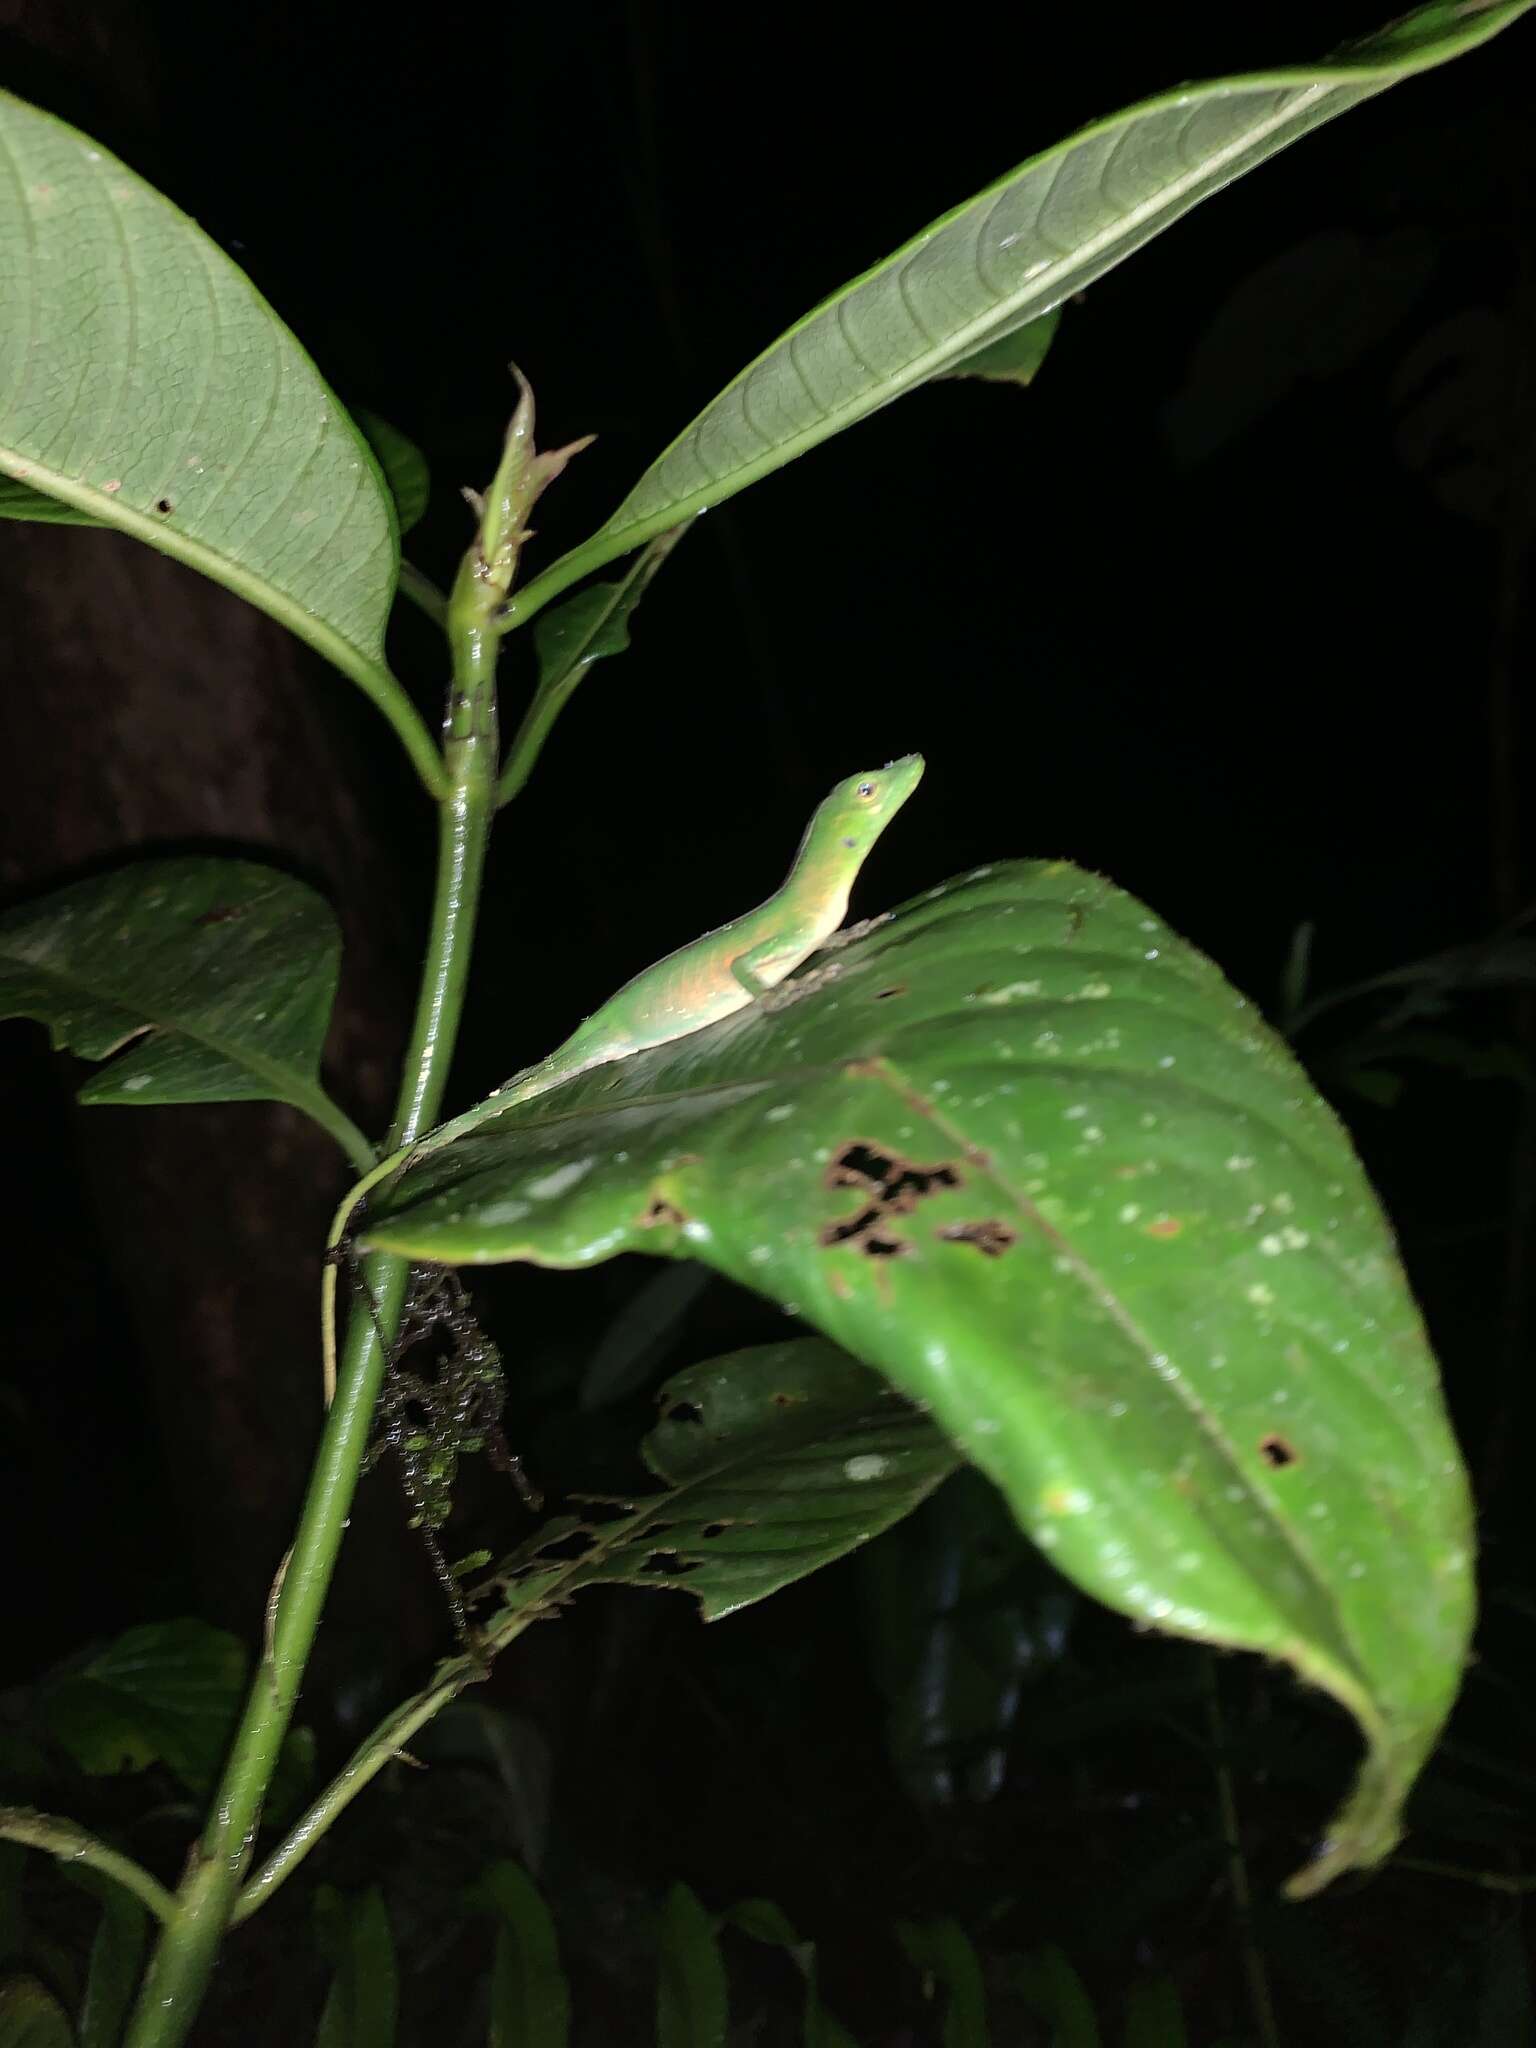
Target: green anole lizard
699, 984
712, 977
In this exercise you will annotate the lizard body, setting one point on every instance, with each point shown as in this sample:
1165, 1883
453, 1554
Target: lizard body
714, 976
710, 978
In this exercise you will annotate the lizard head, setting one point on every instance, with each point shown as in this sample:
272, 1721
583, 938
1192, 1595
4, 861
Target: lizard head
860, 808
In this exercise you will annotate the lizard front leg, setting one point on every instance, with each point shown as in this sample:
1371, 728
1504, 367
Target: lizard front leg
746, 968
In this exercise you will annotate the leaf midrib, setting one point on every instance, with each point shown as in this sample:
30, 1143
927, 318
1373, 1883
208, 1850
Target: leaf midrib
262, 1066
1105, 1297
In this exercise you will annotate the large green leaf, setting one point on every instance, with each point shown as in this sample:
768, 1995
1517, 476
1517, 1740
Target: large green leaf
1029, 1154
1002, 259
144, 381
217, 975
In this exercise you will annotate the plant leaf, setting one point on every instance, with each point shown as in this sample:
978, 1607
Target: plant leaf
404, 466
31, 2017
763, 1920
1000, 260
780, 1459
19, 501
217, 976
163, 1693
1048, 1982
530, 1997
149, 385
586, 628
690, 1986
1154, 2015
1031, 1155
1016, 357
959, 1614
944, 1953
168, 1693
360, 2007
117, 1956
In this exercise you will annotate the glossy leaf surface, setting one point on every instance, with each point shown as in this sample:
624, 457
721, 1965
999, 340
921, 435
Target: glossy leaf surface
144, 381
1005, 257
212, 980
1032, 1156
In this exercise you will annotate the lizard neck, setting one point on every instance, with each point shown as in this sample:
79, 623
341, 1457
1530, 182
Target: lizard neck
822, 875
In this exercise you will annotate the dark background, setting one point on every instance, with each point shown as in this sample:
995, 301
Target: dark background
1229, 605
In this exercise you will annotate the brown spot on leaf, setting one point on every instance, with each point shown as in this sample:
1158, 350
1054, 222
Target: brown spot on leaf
164, 507
990, 1236
894, 1187
660, 1213
223, 913
1278, 1452
1165, 1226
884, 995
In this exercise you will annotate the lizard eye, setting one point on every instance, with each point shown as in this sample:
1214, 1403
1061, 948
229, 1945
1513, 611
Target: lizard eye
865, 789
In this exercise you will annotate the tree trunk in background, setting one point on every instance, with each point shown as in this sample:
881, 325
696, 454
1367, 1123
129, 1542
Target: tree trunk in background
146, 708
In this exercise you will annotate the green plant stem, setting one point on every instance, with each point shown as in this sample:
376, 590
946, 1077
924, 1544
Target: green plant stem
362, 1767
382, 1746
72, 1844
337, 1124
1259, 1998
424, 593
183, 1962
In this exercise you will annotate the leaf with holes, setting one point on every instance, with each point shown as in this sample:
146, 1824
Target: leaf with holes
778, 1460
148, 385
217, 976
1029, 1153
1001, 260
